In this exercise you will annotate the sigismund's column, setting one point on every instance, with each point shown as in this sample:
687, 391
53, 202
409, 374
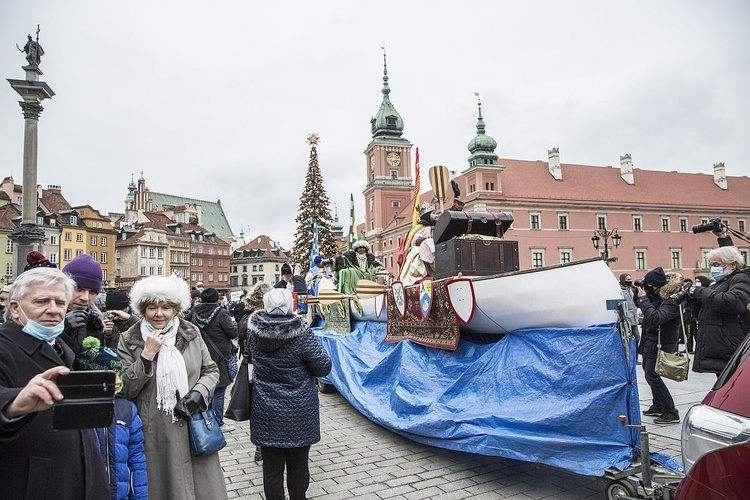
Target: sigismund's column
28, 236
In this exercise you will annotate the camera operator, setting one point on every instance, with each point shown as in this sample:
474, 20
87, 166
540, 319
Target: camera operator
661, 320
722, 308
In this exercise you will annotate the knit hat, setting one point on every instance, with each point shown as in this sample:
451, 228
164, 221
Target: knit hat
278, 302
37, 259
286, 269
195, 293
209, 296
656, 277
117, 299
318, 259
95, 357
86, 272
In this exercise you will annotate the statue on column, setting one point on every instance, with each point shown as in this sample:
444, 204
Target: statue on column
33, 50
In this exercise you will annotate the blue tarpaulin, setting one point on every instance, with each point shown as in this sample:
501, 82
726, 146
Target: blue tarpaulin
549, 395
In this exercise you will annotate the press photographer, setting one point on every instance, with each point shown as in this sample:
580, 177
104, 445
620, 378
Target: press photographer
83, 318
723, 308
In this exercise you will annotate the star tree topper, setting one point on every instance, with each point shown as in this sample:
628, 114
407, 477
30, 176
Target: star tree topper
313, 139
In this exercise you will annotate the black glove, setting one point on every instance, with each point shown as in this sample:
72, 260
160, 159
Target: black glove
76, 319
190, 404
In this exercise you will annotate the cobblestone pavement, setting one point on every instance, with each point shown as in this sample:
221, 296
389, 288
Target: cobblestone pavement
359, 459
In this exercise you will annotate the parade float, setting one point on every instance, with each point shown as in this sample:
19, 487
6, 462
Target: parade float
530, 365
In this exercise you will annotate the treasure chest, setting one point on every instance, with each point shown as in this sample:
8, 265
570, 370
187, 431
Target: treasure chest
452, 224
475, 257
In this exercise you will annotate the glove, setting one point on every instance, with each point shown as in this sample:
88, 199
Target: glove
187, 406
76, 319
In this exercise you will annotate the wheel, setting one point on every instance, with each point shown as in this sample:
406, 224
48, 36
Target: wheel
617, 490
323, 387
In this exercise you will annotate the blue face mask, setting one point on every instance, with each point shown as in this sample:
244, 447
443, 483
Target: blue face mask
166, 328
717, 272
42, 332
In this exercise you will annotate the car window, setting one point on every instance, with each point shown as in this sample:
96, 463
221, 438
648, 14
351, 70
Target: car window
740, 356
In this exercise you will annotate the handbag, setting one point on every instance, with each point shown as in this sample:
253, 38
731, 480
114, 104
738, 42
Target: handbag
672, 366
205, 434
230, 360
241, 400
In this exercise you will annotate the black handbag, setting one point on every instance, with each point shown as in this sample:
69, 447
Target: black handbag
205, 434
241, 400
230, 360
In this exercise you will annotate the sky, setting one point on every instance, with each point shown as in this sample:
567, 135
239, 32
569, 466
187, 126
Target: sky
215, 100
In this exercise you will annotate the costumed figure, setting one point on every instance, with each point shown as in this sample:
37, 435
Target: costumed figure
419, 248
321, 269
356, 264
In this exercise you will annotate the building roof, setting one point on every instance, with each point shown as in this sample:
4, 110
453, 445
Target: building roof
52, 200
262, 245
213, 217
7, 214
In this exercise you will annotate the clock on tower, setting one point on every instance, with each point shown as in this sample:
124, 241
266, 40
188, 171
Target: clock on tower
393, 159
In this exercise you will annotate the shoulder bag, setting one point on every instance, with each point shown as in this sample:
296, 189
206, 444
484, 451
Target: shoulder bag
205, 434
673, 366
229, 359
241, 400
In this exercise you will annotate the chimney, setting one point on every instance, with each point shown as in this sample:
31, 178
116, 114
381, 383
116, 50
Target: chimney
720, 175
554, 163
626, 169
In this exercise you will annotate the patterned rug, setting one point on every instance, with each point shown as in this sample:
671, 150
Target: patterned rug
440, 329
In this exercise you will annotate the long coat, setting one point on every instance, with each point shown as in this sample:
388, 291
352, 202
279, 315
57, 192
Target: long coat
173, 473
719, 328
660, 315
221, 330
35, 460
286, 359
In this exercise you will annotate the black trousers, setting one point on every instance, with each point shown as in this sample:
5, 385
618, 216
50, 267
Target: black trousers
297, 472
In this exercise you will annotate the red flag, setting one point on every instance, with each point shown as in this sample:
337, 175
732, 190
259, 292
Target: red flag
415, 214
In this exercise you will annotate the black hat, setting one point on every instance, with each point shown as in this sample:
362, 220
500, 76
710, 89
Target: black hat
286, 269
656, 277
117, 299
210, 296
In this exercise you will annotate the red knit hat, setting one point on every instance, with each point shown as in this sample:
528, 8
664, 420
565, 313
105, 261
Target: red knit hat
37, 259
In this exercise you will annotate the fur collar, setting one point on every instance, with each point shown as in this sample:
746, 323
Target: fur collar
674, 283
262, 325
186, 332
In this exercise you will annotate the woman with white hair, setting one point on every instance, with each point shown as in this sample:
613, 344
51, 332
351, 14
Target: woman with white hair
169, 375
722, 304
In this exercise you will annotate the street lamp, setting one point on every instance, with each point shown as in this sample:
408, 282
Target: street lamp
605, 235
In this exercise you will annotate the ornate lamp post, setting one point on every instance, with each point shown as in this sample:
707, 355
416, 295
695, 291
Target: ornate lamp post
605, 235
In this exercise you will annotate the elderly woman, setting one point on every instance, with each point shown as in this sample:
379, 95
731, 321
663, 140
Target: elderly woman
285, 418
169, 375
721, 305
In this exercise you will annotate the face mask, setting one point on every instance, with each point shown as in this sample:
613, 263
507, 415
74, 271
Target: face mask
151, 327
717, 272
42, 332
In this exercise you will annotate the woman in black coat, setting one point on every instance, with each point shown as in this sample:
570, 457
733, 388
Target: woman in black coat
720, 329
285, 417
218, 330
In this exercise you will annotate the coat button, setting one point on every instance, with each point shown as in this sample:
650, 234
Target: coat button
182, 424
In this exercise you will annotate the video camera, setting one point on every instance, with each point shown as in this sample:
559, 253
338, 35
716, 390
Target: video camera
712, 225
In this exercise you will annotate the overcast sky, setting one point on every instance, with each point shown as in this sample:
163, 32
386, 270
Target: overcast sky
214, 100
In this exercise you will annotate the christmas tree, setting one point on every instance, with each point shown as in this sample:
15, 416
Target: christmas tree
313, 203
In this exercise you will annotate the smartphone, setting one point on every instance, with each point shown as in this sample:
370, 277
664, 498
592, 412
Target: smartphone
88, 400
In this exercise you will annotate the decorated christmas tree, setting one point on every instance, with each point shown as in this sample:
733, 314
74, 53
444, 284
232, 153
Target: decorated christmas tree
313, 203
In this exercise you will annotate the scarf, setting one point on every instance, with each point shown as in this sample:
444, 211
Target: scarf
171, 374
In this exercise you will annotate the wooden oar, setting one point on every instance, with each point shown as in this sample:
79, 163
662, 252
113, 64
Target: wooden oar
367, 289
439, 177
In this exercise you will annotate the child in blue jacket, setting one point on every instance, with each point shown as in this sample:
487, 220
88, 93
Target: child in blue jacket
121, 443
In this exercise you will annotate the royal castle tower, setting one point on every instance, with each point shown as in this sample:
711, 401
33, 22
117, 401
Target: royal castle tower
389, 171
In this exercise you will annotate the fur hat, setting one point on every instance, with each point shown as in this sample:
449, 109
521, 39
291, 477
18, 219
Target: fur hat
95, 357
254, 299
37, 259
160, 289
361, 244
656, 277
117, 299
209, 296
278, 302
86, 272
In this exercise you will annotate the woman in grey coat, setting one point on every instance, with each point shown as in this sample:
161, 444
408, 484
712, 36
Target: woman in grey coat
169, 375
285, 418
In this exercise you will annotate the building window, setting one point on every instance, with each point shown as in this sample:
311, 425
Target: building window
143, 270
744, 256
637, 223
534, 220
40, 221
489, 186
104, 241
160, 253
391, 261
152, 252
79, 252
562, 221
53, 257
676, 258
73, 220
537, 258
68, 236
255, 268
104, 275
160, 271
260, 267
150, 270
395, 203
53, 239
601, 222
565, 255
640, 259
93, 255
394, 174
211, 277
93, 241
66, 254
79, 237
472, 188
372, 224
210, 262
9, 269
9, 246
704, 258
665, 224
683, 225
104, 258
741, 225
